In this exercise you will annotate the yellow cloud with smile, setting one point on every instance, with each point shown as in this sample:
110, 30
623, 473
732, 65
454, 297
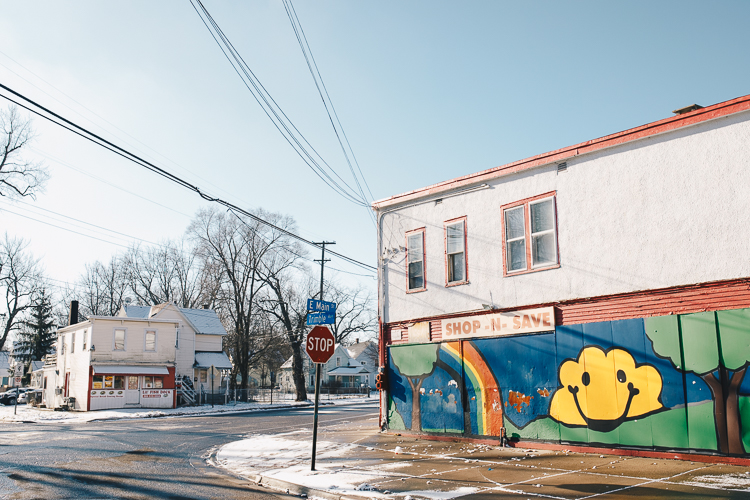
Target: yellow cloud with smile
601, 390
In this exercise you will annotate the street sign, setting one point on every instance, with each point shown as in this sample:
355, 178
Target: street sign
18, 370
321, 318
320, 344
320, 306
17, 381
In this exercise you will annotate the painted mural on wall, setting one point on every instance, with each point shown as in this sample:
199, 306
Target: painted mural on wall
670, 382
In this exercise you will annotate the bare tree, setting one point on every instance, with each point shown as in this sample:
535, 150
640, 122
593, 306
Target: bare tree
19, 177
102, 288
355, 312
167, 273
286, 300
234, 249
20, 279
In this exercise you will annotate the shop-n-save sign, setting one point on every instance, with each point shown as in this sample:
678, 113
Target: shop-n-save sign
506, 323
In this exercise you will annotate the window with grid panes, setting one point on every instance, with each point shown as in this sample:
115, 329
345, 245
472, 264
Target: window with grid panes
455, 243
415, 261
530, 235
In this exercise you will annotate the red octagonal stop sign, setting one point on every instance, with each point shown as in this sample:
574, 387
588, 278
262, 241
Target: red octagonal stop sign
320, 344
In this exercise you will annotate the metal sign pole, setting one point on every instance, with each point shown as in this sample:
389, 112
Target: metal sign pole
317, 365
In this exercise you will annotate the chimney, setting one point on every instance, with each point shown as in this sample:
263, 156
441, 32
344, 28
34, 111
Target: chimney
73, 317
687, 109
356, 341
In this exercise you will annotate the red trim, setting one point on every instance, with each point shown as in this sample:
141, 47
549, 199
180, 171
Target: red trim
466, 251
713, 296
535, 445
91, 387
423, 230
527, 233
659, 127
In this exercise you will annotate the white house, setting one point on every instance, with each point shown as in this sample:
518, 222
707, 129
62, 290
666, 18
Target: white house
585, 295
350, 366
135, 359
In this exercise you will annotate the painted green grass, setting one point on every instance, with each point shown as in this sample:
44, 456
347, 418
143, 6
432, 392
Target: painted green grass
666, 429
395, 421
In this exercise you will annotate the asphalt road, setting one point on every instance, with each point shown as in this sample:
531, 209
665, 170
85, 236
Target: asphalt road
144, 458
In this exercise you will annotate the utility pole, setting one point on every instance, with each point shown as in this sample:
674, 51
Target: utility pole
317, 365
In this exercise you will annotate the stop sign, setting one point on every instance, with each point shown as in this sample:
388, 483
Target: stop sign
319, 345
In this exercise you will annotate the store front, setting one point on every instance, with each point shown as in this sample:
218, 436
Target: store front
131, 387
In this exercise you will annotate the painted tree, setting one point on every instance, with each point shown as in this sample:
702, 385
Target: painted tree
416, 363
714, 346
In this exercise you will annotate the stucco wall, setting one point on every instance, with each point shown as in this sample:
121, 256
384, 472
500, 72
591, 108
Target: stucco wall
664, 211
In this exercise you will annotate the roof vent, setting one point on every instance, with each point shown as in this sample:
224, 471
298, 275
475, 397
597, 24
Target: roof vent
562, 167
687, 109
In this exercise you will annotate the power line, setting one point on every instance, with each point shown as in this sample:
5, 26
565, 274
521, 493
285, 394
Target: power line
271, 107
90, 136
305, 46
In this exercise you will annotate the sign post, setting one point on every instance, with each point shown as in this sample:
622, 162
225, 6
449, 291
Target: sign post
319, 346
18, 374
320, 341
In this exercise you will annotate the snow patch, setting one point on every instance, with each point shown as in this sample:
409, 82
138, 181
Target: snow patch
734, 482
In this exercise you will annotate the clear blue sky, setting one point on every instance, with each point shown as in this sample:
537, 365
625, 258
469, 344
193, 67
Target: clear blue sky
426, 91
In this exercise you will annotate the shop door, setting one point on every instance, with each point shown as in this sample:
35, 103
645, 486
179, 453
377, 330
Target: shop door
132, 394
67, 384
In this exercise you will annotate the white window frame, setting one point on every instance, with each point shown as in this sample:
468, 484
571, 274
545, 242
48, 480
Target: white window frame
124, 339
145, 340
423, 259
528, 237
72, 342
448, 256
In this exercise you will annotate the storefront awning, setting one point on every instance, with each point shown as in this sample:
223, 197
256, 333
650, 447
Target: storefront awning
217, 359
130, 370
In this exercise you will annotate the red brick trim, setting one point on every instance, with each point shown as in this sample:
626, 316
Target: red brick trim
658, 127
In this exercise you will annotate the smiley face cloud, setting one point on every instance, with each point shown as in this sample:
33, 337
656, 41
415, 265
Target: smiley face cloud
601, 390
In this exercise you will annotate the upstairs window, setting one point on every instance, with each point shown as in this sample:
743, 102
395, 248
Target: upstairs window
415, 261
530, 235
150, 340
85, 333
455, 252
119, 344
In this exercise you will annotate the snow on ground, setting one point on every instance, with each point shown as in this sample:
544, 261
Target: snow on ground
734, 482
27, 413
338, 471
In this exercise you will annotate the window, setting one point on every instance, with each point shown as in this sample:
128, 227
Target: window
84, 340
158, 382
363, 362
119, 340
177, 339
338, 361
455, 252
530, 234
150, 340
415, 261
72, 342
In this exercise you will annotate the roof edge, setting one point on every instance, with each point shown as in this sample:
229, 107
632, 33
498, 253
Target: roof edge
714, 111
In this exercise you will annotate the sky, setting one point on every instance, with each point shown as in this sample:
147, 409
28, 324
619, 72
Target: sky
426, 91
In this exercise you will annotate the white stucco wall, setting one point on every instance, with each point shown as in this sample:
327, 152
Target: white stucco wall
664, 211
103, 339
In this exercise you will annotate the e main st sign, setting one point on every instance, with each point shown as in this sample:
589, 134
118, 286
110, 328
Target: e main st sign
493, 325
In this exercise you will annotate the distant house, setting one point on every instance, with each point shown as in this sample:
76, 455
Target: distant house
134, 360
350, 366
5, 371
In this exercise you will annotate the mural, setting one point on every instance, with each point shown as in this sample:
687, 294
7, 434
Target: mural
670, 382
601, 390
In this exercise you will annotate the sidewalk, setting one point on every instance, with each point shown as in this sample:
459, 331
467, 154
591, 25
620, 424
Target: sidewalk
354, 460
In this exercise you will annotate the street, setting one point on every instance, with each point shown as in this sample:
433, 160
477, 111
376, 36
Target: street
144, 458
